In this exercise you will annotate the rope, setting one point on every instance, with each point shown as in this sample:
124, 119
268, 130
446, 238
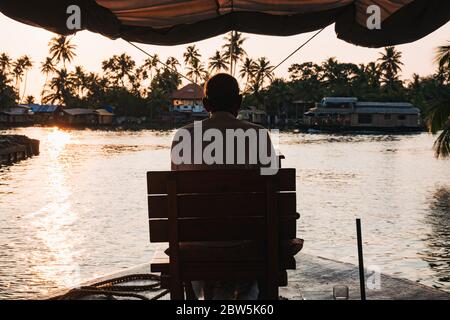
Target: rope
299, 48
159, 61
231, 55
110, 288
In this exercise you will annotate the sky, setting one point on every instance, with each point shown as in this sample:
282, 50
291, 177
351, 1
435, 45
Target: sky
18, 39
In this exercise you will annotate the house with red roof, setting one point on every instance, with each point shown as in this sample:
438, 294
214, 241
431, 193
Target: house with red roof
188, 99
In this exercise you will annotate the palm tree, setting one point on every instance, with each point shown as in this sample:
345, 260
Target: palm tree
330, 71
29, 100
196, 71
191, 55
443, 56
192, 61
217, 62
149, 65
27, 64
20, 68
47, 68
125, 67
442, 75
373, 73
17, 72
390, 66
95, 87
234, 51
443, 60
173, 63
442, 144
415, 83
79, 80
135, 81
61, 88
119, 68
5, 63
339, 77
247, 72
263, 72
439, 119
439, 113
61, 50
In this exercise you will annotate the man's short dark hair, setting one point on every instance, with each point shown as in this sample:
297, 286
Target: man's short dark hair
222, 92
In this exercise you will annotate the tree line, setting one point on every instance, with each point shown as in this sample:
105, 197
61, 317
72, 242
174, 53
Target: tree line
145, 90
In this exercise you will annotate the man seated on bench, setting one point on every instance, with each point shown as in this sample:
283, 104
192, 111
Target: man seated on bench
223, 102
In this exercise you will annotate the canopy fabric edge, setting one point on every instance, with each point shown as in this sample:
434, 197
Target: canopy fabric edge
52, 15
410, 23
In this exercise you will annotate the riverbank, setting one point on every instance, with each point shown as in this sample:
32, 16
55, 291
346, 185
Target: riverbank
14, 148
296, 129
113, 127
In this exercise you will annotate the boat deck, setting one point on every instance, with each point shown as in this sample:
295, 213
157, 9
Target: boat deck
314, 279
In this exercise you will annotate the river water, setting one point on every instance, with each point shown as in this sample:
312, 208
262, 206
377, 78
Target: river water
78, 210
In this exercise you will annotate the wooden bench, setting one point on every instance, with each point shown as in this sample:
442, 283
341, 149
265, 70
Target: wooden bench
188, 207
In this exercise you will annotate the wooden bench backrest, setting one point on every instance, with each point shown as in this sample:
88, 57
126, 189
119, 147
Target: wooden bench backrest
222, 205
225, 205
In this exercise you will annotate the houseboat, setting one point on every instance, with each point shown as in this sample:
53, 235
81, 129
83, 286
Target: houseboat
349, 114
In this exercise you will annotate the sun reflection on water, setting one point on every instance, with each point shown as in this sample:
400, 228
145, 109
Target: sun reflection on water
57, 141
52, 222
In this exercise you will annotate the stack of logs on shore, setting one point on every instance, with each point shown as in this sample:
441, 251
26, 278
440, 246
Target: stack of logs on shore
14, 148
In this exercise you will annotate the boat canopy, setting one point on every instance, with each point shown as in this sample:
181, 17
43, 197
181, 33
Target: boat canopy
172, 22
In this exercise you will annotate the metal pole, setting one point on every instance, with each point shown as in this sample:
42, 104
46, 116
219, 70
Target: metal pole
362, 280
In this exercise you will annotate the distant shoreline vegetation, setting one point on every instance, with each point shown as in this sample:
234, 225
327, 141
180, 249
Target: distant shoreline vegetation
145, 90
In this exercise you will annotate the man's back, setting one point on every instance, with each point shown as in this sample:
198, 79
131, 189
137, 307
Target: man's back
243, 136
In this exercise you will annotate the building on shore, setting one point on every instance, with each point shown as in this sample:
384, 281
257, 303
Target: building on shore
188, 99
80, 116
349, 113
20, 114
46, 113
87, 117
187, 106
105, 117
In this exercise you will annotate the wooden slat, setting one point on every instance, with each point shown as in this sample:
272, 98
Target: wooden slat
196, 252
219, 181
162, 265
221, 205
220, 229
